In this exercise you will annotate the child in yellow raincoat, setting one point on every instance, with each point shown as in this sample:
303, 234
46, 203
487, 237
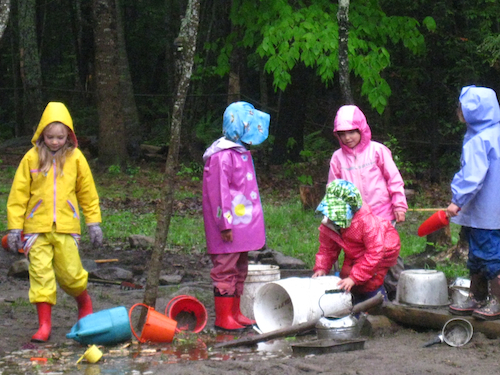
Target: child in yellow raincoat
52, 180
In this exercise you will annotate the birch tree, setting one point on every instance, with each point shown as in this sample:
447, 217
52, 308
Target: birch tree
4, 15
186, 46
343, 20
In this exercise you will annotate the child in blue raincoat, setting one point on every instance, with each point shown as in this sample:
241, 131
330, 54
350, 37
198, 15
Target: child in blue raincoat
476, 203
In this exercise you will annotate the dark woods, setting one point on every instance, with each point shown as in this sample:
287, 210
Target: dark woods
113, 64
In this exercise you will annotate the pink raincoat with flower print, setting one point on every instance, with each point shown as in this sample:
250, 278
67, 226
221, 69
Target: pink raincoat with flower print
231, 199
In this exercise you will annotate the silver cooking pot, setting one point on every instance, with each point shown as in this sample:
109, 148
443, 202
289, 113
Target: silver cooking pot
421, 287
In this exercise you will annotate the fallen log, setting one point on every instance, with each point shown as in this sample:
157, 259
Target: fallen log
293, 330
435, 319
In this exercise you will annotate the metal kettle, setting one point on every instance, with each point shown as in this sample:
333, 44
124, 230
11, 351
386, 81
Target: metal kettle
344, 328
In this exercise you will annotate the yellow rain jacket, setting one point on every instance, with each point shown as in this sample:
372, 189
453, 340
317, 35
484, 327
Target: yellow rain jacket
37, 201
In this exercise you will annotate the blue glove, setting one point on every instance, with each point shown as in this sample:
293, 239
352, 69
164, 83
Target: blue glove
14, 240
95, 233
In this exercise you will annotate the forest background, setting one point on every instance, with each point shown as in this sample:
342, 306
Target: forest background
113, 64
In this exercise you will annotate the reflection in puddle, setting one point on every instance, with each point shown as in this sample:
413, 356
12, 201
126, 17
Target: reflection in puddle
135, 358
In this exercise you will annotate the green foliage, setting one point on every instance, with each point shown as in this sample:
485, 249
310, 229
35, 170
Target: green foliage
305, 179
430, 23
209, 127
132, 170
406, 168
490, 49
285, 34
316, 147
194, 170
114, 170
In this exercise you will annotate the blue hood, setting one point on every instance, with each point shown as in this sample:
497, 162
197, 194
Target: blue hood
480, 109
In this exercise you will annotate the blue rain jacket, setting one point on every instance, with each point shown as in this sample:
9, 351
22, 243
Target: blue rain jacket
475, 188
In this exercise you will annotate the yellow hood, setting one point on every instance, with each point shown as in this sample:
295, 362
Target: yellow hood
55, 112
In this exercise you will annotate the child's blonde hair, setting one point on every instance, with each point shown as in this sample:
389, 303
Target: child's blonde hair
46, 156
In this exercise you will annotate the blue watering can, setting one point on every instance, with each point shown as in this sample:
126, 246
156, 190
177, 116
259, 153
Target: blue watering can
106, 327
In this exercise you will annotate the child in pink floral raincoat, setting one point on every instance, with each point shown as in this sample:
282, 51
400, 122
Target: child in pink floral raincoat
232, 211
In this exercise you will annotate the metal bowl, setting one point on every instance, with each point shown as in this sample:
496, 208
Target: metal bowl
425, 288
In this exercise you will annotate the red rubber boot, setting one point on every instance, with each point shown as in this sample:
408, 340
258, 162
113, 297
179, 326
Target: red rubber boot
238, 316
84, 304
44, 322
224, 314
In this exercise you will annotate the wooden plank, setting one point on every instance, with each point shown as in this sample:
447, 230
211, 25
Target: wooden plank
106, 260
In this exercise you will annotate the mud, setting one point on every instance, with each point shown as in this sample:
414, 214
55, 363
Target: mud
389, 349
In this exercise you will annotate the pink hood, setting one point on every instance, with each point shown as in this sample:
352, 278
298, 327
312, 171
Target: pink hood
350, 117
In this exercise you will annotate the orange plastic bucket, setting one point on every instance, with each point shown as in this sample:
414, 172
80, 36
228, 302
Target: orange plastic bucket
157, 328
436, 221
5, 243
189, 313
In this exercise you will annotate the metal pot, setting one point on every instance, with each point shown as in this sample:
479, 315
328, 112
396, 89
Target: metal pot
344, 328
460, 290
426, 288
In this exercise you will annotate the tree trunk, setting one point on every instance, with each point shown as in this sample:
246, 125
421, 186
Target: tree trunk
185, 62
288, 126
133, 130
4, 15
343, 20
82, 29
234, 85
112, 145
30, 70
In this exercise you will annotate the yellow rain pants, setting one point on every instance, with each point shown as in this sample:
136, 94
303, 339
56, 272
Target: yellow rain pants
54, 256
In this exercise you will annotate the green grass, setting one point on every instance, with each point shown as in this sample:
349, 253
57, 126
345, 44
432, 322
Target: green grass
290, 229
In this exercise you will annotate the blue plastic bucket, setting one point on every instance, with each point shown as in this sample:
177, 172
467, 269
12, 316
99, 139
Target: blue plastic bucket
106, 327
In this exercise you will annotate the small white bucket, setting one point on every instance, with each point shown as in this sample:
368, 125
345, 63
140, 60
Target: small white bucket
296, 300
258, 275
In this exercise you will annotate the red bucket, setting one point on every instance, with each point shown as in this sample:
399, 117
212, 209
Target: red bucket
189, 313
437, 221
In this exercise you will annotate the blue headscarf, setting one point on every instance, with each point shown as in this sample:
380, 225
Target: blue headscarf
243, 123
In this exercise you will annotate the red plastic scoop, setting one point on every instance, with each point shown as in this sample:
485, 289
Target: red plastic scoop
437, 221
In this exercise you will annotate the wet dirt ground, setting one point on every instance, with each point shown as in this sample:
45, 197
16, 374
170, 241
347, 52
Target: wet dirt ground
391, 349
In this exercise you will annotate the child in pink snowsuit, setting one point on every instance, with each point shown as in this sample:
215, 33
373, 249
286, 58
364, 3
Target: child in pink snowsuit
232, 211
369, 166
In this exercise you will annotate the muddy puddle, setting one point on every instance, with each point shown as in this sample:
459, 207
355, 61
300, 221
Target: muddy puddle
135, 358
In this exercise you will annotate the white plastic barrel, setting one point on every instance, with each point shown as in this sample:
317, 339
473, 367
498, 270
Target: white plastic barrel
295, 300
258, 275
